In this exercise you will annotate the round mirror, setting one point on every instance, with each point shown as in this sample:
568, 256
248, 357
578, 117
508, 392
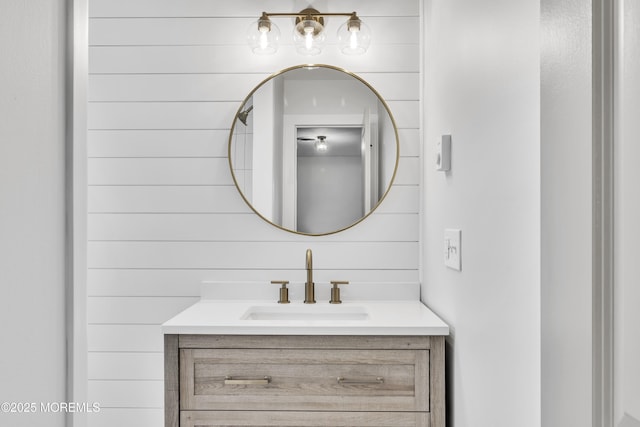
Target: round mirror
313, 149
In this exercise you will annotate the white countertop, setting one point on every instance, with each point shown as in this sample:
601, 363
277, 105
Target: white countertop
262, 317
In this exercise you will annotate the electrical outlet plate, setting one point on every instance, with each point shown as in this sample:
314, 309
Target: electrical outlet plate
453, 249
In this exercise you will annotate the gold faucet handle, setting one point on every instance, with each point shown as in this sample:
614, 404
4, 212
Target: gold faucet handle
284, 291
335, 291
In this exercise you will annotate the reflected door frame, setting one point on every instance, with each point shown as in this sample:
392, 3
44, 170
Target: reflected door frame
291, 122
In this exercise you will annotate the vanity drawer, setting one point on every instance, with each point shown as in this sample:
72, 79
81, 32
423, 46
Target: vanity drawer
304, 379
301, 419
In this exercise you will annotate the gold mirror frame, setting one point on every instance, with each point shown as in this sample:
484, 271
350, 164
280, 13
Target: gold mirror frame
311, 66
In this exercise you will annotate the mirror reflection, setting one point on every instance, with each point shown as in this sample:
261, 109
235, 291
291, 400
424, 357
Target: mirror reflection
313, 149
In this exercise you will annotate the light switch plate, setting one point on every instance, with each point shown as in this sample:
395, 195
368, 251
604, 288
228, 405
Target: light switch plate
453, 249
443, 153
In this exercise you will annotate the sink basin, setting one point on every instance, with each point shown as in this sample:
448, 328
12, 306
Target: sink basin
306, 313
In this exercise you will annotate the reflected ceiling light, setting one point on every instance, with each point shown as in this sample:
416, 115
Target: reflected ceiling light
321, 144
309, 33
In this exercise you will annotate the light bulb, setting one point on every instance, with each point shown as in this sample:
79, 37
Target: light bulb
308, 38
264, 40
353, 39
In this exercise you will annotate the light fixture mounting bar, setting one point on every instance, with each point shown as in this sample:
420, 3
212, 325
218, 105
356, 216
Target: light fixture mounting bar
304, 14
311, 14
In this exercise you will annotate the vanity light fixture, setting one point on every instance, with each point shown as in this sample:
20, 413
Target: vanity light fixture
309, 33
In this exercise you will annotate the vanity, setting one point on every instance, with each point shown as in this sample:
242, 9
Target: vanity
246, 356
260, 363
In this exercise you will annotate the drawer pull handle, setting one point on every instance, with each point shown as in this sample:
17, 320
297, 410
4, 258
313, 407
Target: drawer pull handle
229, 380
378, 380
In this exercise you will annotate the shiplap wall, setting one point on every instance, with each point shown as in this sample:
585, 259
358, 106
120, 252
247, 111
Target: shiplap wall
165, 79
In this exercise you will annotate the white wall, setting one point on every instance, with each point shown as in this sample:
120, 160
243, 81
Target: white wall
566, 206
482, 86
165, 80
32, 208
319, 207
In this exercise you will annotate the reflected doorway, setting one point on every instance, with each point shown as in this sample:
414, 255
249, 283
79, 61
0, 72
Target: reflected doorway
331, 170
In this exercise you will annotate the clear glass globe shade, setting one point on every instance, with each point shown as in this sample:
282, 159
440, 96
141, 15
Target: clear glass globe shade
354, 38
263, 36
309, 37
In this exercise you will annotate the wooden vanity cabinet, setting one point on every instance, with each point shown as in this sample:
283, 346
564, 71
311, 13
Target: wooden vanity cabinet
350, 381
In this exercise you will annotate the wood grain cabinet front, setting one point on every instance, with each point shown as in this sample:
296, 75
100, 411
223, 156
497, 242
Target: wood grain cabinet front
303, 419
304, 381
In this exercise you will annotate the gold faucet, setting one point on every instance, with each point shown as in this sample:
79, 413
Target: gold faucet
309, 291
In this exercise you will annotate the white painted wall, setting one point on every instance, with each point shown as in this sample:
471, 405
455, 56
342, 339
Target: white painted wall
482, 84
165, 79
32, 208
320, 208
566, 206
520, 189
